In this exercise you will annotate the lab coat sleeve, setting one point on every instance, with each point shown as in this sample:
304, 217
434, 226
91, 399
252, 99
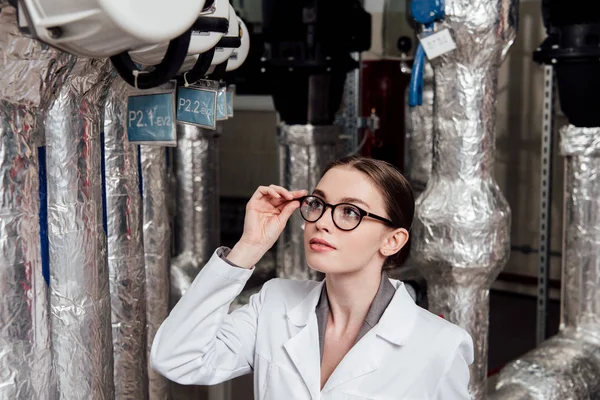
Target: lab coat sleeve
200, 343
454, 384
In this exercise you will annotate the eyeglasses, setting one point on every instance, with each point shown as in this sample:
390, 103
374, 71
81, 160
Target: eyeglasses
345, 216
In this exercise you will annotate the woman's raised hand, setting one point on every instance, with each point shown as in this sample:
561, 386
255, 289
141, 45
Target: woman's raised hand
267, 212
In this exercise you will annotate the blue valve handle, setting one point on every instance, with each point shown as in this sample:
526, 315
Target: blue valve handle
425, 12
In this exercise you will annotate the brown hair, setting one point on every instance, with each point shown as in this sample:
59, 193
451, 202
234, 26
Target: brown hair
397, 192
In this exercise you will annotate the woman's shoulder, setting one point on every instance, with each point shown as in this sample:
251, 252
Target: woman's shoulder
441, 331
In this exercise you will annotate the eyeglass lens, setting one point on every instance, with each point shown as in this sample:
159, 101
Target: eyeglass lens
345, 216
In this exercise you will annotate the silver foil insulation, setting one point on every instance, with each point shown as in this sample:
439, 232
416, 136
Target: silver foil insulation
79, 296
567, 366
462, 227
419, 136
30, 72
304, 151
157, 253
197, 217
126, 262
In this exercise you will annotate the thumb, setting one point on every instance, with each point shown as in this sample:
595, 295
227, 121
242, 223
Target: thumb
288, 210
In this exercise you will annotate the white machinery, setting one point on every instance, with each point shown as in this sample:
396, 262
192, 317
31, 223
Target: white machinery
103, 28
148, 42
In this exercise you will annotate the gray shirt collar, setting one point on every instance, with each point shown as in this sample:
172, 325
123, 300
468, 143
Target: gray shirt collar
382, 299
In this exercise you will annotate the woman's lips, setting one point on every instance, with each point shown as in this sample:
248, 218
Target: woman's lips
320, 246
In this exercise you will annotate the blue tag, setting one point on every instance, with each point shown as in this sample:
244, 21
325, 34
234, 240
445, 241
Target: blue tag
151, 119
197, 106
222, 104
229, 104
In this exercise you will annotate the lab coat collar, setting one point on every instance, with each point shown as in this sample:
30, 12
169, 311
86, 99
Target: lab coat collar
394, 327
395, 324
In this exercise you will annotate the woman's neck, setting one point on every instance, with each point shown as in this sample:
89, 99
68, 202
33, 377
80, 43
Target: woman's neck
350, 296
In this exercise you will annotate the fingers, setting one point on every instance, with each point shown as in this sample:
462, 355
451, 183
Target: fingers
277, 194
288, 210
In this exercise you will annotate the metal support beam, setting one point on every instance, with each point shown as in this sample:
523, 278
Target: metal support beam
545, 202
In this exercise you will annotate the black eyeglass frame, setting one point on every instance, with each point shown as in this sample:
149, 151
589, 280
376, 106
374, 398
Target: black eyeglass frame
326, 205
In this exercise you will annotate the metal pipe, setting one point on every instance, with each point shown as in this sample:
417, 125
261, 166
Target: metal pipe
197, 217
462, 226
29, 75
304, 151
157, 250
126, 264
568, 365
419, 136
197, 231
79, 293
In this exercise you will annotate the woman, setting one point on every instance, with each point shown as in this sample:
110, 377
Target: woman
356, 335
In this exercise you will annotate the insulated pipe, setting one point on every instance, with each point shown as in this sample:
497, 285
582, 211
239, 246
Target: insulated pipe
568, 365
462, 227
30, 72
304, 151
419, 135
126, 263
197, 215
157, 250
79, 292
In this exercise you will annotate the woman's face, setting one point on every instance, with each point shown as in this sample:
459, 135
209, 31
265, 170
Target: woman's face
348, 251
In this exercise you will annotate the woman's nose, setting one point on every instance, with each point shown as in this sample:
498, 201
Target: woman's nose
326, 221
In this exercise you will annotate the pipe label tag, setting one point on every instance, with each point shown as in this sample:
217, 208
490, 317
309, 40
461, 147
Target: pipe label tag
151, 116
222, 113
437, 43
196, 104
230, 93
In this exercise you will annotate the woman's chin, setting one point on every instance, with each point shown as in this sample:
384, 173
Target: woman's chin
318, 262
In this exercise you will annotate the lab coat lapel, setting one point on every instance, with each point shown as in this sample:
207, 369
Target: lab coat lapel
368, 354
303, 346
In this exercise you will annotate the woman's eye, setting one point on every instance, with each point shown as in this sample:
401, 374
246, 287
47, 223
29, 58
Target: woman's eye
351, 212
314, 204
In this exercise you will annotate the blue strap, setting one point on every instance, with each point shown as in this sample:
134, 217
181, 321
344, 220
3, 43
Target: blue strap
43, 214
415, 88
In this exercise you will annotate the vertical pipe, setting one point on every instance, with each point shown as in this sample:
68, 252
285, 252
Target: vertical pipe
419, 136
80, 302
30, 72
206, 194
157, 250
304, 151
197, 216
581, 305
126, 264
197, 233
568, 365
462, 225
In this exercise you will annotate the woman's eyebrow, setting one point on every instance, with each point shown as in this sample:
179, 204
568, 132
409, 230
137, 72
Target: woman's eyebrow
319, 193
354, 200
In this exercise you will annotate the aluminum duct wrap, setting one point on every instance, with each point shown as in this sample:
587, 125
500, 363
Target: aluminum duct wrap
79, 295
29, 75
126, 263
197, 216
304, 151
419, 135
462, 226
568, 365
157, 251
564, 367
581, 271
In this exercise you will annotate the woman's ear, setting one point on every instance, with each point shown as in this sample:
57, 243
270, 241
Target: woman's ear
393, 242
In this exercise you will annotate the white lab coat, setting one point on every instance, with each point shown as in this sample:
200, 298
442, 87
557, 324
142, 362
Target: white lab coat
410, 354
